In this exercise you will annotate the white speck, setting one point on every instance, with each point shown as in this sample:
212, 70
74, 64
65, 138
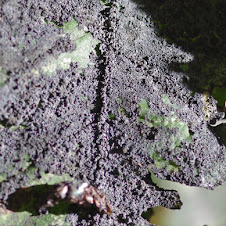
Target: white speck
81, 188
64, 192
89, 199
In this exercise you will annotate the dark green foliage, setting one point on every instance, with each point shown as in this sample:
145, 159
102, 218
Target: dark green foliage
220, 95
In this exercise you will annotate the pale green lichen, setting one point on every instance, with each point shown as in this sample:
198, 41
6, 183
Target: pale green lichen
84, 43
25, 165
171, 129
143, 110
172, 132
84, 98
162, 163
11, 218
10, 168
123, 111
50, 179
169, 123
25, 218
3, 177
3, 78
71, 28
30, 172
166, 101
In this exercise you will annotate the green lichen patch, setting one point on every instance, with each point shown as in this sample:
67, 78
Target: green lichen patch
3, 177
11, 218
172, 132
171, 128
123, 111
143, 110
50, 179
49, 219
84, 44
162, 163
107, 3
166, 101
26, 163
3, 78
25, 218
71, 28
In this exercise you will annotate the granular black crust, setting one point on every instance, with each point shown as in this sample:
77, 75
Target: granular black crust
63, 133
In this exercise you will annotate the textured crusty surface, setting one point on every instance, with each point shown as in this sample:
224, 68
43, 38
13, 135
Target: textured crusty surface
85, 124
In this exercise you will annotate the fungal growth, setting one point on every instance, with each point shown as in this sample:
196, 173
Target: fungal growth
77, 193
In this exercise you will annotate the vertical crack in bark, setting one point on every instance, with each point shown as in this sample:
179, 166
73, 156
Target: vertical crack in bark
103, 62
101, 76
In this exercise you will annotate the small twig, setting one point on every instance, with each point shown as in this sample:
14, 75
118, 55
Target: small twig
222, 121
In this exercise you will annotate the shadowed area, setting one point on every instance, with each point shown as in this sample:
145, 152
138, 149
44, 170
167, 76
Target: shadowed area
31, 199
199, 28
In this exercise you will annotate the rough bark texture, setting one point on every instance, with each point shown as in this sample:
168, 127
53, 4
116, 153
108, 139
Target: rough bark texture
85, 124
